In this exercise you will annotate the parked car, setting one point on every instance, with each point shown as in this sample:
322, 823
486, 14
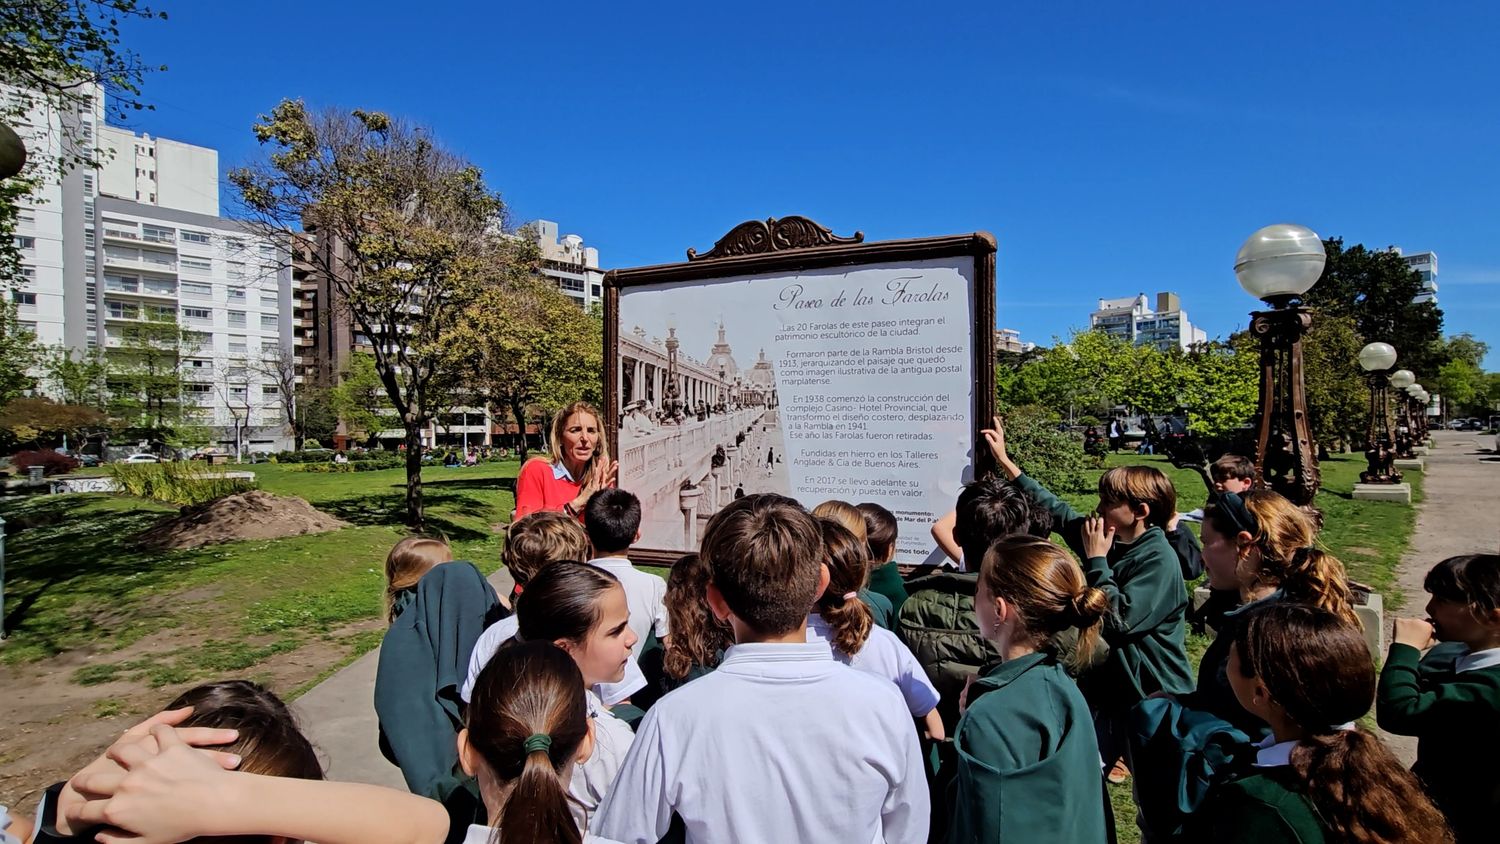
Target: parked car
142, 458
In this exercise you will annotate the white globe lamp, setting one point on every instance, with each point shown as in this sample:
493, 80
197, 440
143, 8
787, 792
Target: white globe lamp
1280, 262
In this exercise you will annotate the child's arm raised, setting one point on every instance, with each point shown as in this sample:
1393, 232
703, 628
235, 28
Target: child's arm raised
1065, 520
180, 793
1136, 604
942, 534
1403, 707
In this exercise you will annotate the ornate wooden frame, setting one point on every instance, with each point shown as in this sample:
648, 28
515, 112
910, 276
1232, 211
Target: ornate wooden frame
794, 243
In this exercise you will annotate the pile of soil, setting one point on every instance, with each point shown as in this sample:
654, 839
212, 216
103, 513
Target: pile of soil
246, 515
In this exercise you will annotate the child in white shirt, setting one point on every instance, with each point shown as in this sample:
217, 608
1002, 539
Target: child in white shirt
612, 519
782, 742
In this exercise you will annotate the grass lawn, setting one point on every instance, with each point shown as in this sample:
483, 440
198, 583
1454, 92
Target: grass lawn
1369, 537
75, 581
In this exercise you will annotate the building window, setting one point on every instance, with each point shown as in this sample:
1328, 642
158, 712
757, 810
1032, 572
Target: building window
598, 291
197, 288
196, 265
236, 270
237, 319
270, 347
23, 299
88, 210
88, 184
236, 294
268, 322
121, 283
197, 389
197, 313
28, 273
237, 345
23, 242
121, 310
27, 216
270, 390
159, 286
234, 244
157, 234
268, 302
193, 237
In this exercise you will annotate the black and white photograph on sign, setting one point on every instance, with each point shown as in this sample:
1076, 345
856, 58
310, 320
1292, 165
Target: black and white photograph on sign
838, 383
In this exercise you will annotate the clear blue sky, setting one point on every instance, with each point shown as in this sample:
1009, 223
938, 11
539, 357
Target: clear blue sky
1112, 148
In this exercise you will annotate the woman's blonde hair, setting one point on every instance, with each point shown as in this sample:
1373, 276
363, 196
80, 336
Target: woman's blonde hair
412, 557
560, 421
1046, 589
845, 514
1289, 557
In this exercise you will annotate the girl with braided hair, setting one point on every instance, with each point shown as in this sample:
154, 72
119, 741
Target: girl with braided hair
841, 619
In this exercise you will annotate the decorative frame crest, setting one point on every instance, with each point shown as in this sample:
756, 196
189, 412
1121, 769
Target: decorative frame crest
754, 237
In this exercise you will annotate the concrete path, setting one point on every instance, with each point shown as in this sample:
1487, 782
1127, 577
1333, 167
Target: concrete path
1459, 514
338, 715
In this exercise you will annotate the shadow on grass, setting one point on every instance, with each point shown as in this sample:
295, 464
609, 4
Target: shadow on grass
497, 484
87, 551
389, 509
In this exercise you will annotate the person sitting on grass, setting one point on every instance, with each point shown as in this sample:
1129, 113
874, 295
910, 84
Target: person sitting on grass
1450, 698
1125, 553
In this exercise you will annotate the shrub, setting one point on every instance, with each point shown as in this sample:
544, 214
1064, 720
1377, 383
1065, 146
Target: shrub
311, 443
1052, 457
51, 461
176, 483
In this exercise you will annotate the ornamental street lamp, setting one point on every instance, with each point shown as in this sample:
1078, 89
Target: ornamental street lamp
1403, 380
12, 153
1419, 399
1377, 359
1278, 264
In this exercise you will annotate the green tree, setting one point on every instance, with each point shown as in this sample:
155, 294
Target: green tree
1462, 385
1465, 347
41, 421
19, 353
1338, 398
52, 54
316, 418
78, 377
527, 344
145, 374
1376, 288
408, 235
359, 400
1220, 387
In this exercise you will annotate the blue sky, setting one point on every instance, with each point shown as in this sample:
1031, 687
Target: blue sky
1112, 148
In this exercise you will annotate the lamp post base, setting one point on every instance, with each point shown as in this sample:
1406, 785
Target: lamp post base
1396, 493
1415, 464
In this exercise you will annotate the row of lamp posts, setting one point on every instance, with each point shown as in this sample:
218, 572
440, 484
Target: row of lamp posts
1278, 265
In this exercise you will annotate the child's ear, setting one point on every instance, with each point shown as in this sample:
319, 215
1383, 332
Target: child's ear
716, 603
637, 538
1141, 511
1490, 619
466, 751
823, 580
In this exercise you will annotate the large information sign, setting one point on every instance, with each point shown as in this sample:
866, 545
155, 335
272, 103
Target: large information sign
789, 360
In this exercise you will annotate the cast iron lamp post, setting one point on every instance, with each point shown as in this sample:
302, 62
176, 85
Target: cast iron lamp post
1278, 264
1377, 359
1406, 430
1419, 400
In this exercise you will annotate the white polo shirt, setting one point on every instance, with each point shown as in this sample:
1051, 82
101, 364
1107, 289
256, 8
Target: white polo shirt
780, 744
884, 656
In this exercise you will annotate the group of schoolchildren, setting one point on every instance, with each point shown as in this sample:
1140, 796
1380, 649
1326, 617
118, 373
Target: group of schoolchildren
786, 684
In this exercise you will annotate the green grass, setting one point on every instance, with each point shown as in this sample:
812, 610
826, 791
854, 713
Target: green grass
74, 579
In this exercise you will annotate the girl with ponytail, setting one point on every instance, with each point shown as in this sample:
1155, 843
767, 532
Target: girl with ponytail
581, 609
527, 727
1262, 546
1318, 777
843, 621
1028, 758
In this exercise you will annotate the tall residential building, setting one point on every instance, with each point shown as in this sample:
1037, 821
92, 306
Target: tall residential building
1009, 340
1426, 265
1133, 319
142, 237
572, 265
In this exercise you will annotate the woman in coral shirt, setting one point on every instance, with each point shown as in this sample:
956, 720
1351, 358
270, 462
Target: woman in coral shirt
580, 465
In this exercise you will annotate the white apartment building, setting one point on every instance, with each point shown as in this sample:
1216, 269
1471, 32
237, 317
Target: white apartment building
142, 237
1426, 265
1133, 319
572, 265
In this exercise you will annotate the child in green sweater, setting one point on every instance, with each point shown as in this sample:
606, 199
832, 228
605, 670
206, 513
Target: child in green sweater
1318, 778
1450, 698
1125, 553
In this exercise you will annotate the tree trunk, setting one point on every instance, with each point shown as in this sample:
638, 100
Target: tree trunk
519, 412
414, 514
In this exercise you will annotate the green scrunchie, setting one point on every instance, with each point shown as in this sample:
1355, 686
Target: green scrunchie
537, 741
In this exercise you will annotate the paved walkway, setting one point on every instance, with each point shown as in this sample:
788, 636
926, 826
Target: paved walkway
1459, 514
338, 715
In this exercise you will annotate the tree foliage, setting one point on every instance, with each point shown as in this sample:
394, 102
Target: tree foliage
359, 400
1337, 394
19, 353
1375, 288
78, 377
146, 375
53, 52
526, 344
406, 231
1462, 385
41, 421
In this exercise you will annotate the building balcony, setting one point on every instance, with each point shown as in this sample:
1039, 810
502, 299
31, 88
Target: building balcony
148, 263
113, 233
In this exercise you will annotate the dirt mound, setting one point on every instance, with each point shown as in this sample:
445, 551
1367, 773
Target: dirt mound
246, 515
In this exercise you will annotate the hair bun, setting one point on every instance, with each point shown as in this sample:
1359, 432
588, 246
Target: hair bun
1089, 606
